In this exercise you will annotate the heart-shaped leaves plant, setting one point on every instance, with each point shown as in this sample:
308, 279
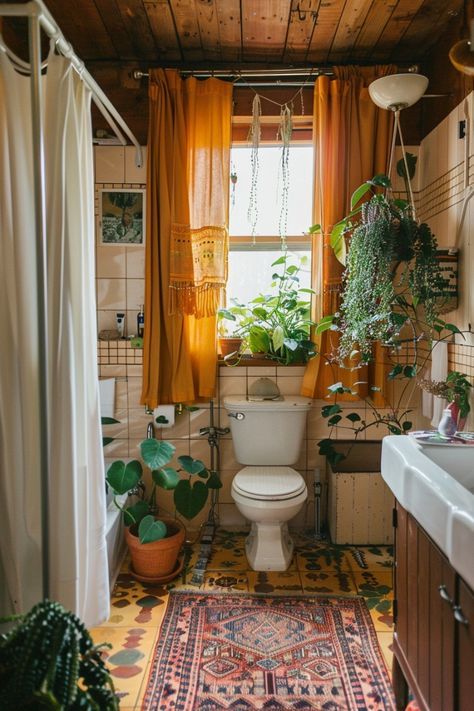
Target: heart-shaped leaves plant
214, 481
151, 530
156, 452
190, 465
124, 477
167, 477
190, 500
134, 514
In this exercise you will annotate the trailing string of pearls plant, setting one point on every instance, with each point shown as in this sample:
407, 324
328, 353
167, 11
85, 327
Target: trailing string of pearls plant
284, 134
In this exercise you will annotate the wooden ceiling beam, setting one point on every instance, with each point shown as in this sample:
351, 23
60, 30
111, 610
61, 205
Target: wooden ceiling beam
135, 15
394, 30
326, 26
187, 29
376, 21
349, 27
428, 25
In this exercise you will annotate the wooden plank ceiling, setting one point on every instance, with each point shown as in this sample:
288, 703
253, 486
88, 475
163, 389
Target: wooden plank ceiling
253, 32
114, 37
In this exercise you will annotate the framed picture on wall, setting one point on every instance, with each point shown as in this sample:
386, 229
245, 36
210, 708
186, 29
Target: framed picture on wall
121, 216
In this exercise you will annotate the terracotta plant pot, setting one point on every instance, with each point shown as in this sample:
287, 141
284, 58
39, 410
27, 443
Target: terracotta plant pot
229, 345
157, 559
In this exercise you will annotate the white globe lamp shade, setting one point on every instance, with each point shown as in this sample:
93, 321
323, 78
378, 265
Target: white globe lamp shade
398, 91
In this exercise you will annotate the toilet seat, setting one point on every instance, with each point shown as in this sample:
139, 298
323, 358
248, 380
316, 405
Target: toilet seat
268, 483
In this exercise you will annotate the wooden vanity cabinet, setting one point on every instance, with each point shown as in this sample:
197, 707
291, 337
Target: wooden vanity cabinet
434, 624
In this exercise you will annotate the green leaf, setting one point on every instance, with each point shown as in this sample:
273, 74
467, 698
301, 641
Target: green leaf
259, 340
280, 260
124, 477
109, 421
106, 441
359, 193
398, 319
395, 371
278, 338
312, 231
307, 291
329, 410
156, 452
161, 420
225, 313
338, 388
409, 371
451, 327
190, 465
151, 530
291, 344
167, 478
260, 312
335, 419
353, 417
381, 180
134, 514
338, 242
190, 500
394, 430
411, 160
214, 481
407, 425
324, 324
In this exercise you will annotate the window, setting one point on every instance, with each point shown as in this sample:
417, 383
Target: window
250, 258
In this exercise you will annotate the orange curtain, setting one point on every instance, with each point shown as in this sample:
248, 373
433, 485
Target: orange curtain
187, 185
351, 139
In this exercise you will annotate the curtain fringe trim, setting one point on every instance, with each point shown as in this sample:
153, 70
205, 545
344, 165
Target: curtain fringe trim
199, 301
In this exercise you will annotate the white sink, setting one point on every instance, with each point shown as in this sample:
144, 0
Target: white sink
436, 485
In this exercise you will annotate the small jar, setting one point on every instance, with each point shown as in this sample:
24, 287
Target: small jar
447, 425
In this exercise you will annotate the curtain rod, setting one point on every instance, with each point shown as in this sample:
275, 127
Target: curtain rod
37, 9
236, 74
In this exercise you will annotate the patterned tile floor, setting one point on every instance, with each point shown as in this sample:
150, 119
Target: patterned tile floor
137, 609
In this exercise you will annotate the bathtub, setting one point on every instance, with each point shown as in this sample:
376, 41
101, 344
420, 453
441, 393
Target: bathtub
116, 547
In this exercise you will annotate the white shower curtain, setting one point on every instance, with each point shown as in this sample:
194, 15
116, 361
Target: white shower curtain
79, 575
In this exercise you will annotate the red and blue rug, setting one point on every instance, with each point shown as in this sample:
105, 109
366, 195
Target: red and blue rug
246, 653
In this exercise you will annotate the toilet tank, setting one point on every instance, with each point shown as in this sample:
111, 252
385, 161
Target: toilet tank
267, 431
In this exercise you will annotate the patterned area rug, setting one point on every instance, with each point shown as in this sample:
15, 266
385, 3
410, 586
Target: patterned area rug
246, 653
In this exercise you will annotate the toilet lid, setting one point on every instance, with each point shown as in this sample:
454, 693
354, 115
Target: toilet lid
272, 483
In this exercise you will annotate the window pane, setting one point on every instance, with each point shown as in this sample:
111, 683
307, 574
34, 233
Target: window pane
250, 272
269, 190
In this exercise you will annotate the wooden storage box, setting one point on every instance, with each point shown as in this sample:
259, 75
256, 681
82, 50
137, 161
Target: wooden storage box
360, 504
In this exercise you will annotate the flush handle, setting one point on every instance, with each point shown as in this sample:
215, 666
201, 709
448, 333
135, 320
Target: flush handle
444, 594
237, 415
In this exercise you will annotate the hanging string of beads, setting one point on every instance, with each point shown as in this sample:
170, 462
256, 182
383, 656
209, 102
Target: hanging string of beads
285, 130
254, 139
284, 134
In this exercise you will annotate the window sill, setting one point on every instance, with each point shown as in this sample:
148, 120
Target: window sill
249, 361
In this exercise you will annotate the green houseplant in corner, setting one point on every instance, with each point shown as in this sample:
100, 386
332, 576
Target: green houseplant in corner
154, 543
49, 661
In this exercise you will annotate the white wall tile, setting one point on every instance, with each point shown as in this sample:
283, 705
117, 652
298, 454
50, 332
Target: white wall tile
111, 261
134, 174
109, 164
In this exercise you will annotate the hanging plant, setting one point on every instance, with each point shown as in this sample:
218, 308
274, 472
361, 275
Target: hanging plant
391, 269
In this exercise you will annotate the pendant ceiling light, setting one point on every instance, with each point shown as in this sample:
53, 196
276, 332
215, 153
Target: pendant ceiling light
461, 54
395, 92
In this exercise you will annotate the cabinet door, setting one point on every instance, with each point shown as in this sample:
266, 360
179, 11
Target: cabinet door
465, 648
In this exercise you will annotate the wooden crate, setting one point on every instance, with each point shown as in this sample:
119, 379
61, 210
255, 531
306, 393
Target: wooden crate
359, 502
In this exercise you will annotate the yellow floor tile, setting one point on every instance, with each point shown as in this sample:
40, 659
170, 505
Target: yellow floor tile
225, 581
323, 558
135, 603
128, 660
283, 583
229, 560
371, 558
385, 640
328, 582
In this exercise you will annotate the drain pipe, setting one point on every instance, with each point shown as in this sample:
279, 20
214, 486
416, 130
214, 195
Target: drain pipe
213, 433
317, 503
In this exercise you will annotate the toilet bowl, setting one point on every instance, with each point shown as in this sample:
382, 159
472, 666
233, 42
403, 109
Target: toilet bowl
269, 497
267, 436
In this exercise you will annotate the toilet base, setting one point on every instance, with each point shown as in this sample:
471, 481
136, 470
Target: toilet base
269, 546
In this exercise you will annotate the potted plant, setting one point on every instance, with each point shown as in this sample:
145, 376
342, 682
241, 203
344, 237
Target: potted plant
228, 330
456, 389
154, 543
276, 325
49, 661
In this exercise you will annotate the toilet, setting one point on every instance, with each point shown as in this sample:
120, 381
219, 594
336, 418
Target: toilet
267, 437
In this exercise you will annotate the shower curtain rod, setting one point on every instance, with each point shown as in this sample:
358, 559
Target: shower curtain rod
37, 9
250, 77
